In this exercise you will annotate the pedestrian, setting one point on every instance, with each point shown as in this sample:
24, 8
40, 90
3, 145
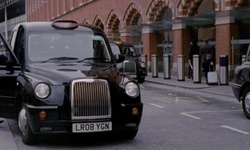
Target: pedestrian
207, 54
194, 50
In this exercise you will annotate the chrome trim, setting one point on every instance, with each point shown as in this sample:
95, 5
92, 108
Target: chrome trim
22, 120
41, 107
90, 99
130, 71
236, 85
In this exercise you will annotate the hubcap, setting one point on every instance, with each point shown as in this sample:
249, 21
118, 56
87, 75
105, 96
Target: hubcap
22, 121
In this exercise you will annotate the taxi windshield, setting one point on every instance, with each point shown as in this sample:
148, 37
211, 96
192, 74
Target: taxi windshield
129, 51
60, 46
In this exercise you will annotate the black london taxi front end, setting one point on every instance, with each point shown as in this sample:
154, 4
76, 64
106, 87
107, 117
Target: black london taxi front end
61, 77
241, 84
132, 66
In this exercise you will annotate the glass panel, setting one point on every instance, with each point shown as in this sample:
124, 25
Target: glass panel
115, 49
79, 45
239, 51
4, 54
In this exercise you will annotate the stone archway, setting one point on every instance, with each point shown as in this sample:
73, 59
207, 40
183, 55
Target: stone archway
159, 14
240, 2
132, 15
86, 21
157, 8
161, 11
187, 8
132, 24
113, 25
98, 21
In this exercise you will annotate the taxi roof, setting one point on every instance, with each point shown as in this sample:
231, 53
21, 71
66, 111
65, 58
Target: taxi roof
122, 43
48, 26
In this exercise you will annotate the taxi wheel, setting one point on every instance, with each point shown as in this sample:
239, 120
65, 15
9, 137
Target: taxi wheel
246, 103
141, 80
28, 137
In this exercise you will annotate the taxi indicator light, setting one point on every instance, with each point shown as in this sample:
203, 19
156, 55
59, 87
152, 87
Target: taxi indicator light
135, 111
65, 24
42, 115
119, 42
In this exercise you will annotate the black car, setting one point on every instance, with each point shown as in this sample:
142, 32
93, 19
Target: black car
241, 84
132, 66
61, 77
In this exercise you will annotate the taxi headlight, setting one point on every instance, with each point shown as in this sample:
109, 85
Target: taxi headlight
42, 90
143, 65
132, 89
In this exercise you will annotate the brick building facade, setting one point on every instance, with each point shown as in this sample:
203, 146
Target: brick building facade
150, 23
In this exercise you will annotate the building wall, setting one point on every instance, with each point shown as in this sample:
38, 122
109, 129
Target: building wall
115, 18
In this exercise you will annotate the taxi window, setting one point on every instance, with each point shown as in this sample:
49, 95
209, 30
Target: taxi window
248, 54
78, 45
129, 51
5, 55
100, 48
115, 49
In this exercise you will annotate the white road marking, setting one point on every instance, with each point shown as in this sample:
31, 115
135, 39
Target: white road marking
204, 100
156, 105
234, 129
142, 86
161, 99
191, 116
211, 111
176, 99
187, 99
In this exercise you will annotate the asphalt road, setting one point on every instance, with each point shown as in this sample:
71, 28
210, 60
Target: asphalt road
173, 119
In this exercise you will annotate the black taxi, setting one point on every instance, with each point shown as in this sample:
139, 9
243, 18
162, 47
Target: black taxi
61, 77
241, 84
132, 65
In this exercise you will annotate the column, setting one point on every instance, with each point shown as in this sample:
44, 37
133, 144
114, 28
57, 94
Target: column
126, 36
149, 44
181, 45
225, 30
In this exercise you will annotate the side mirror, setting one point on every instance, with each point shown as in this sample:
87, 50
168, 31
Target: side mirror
119, 58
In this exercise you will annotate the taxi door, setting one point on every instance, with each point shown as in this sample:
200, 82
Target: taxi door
9, 70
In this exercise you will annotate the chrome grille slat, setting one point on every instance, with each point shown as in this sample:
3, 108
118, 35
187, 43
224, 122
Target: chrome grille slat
90, 99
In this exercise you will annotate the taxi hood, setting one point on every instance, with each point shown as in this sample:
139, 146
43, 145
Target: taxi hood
58, 74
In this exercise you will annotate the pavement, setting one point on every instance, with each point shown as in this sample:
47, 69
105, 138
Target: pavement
8, 142
219, 89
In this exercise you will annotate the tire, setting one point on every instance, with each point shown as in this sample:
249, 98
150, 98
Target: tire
141, 80
246, 103
28, 137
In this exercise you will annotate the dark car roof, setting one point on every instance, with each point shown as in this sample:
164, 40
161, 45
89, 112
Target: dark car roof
45, 26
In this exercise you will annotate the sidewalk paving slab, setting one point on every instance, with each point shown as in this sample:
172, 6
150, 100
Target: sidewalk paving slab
225, 90
7, 141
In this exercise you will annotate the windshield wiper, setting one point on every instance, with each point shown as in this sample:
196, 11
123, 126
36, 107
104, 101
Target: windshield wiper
60, 59
99, 59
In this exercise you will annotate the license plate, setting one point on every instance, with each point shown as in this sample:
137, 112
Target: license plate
91, 127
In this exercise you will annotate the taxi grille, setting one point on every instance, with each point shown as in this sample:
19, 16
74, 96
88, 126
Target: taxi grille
129, 67
90, 99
